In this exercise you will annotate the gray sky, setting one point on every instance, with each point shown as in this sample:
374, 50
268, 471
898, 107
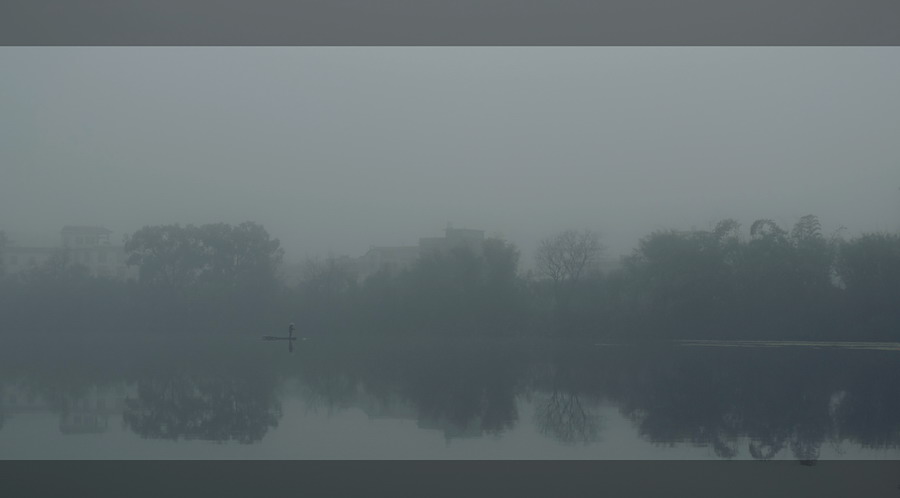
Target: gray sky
335, 149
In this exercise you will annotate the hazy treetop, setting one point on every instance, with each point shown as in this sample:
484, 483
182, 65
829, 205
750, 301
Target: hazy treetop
337, 149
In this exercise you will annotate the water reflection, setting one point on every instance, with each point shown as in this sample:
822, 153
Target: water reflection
203, 406
289, 338
774, 400
564, 406
564, 416
461, 391
759, 403
80, 408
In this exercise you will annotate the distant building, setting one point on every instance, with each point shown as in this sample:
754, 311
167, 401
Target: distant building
397, 258
18, 258
391, 259
91, 247
78, 237
84, 245
453, 238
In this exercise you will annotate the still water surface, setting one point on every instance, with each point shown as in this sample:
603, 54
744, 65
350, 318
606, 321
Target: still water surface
80, 397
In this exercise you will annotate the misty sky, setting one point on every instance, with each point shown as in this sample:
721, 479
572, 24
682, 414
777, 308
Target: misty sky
337, 149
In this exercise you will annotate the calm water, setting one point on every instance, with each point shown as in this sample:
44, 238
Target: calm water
81, 397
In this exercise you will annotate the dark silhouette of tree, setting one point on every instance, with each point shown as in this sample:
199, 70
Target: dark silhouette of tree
462, 288
684, 280
170, 256
565, 416
720, 283
326, 294
220, 255
869, 267
218, 275
242, 256
60, 292
383, 301
461, 390
716, 283
565, 259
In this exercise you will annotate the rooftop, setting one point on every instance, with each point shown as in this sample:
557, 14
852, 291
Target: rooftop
85, 229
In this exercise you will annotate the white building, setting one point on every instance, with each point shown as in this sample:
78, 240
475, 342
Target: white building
84, 245
453, 238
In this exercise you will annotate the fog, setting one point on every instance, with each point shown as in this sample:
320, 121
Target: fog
752, 192
337, 149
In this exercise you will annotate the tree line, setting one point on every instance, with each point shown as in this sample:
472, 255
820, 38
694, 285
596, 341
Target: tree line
769, 282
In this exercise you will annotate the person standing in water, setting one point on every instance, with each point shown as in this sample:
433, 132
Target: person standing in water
291, 330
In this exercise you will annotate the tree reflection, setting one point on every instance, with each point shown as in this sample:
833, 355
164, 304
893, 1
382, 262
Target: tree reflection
564, 416
792, 400
739, 403
463, 392
332, 391
565, 399
209, 407
760, 403
450, 386
766, 446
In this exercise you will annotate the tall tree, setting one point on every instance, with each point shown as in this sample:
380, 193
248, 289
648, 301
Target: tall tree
682, 279
171, 256
218, 255
240, 256
565, 258
869, 267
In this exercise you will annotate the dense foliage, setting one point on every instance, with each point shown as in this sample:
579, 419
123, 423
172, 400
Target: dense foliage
766, 283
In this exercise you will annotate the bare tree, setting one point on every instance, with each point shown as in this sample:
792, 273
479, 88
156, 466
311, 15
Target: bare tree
565, 257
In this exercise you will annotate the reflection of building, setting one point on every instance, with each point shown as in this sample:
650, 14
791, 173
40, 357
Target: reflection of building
82, 237
452, 430
15, 399
87, 246
85, 413
89, 413
83, 422
19, 258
